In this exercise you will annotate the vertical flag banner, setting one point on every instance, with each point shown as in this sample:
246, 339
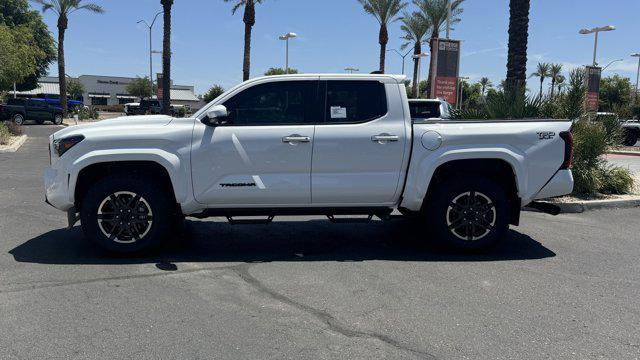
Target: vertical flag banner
159, 91
593, 87
444, 83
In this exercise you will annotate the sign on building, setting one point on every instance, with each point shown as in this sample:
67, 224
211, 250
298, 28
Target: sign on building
593, 87
446, 64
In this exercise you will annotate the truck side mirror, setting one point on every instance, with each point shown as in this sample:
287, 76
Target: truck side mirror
217, 115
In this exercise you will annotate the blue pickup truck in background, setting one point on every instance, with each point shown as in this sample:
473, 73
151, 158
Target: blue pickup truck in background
54, 99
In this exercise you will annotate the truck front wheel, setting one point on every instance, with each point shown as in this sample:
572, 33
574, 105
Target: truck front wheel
125, 215
469, 214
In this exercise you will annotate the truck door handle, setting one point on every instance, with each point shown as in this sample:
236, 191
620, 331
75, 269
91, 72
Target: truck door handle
383, 138
295, 138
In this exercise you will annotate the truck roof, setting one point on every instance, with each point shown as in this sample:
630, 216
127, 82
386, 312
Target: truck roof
394, 77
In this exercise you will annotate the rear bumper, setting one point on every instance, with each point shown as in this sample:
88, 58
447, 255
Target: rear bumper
560, 184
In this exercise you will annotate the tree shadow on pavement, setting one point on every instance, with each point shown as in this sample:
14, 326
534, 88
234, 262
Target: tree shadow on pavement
312, 240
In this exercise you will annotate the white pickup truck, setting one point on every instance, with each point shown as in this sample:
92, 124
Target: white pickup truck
334, 145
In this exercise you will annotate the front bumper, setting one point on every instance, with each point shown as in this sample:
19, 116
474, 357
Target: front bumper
56, 187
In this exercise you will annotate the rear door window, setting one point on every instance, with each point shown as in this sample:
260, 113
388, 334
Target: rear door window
424, 110
354, 101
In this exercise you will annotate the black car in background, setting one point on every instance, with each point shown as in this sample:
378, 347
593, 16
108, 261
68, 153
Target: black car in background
146, 107
19, 110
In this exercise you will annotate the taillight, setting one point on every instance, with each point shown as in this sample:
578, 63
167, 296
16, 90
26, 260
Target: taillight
567, 136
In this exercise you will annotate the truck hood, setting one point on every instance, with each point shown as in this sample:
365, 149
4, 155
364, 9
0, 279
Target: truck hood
128, 123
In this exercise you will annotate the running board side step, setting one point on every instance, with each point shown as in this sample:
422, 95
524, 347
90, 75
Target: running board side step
335, 220
233, 221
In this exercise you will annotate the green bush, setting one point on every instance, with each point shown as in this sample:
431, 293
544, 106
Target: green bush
83, 113
615, 180
4, 134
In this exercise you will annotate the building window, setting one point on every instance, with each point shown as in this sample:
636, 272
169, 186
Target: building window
98, 101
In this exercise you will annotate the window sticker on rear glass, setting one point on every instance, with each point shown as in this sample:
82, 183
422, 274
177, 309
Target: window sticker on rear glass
338, 112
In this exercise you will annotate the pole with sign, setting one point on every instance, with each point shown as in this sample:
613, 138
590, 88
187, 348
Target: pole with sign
159, 89
593, 87
446, 68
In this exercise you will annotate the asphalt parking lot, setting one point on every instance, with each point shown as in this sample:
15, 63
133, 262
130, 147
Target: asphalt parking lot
562, 287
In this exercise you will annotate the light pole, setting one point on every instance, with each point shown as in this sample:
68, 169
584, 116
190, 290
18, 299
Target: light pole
611, 63
595, 31
351, 70
403, 56
461, 79
417, 85
637, 74
286, 38
150, 49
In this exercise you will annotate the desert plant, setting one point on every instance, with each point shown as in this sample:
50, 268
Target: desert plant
518, 40
4, 134
90, 113
542, 72
615, 180
14, 129
415, 27
555, 72
249, 19
214, 92
166, 56
612, 127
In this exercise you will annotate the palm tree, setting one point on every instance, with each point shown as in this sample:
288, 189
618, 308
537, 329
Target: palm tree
485, 83
166, 57
385, 11
560, 83
249, 19
518, 38
554, 72
415, 27
437, 11
542, 73
64, 8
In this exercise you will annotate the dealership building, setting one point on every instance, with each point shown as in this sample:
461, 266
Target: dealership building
111, 90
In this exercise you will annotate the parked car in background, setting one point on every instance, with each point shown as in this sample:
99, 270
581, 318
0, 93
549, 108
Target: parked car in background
424, 109
129, 108
333, 145
54, 100
19, 110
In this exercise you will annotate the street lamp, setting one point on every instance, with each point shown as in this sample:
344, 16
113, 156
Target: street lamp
637, 74
403, 56
351, 70
150, 49
419, 58
611, 63
286, 38
596, 30
459, 98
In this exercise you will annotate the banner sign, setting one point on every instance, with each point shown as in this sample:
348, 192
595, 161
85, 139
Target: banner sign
593, 87
446, 56
159, 91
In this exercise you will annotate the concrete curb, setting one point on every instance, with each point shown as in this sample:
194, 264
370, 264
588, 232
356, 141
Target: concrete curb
15, 146
579, 207
623, 152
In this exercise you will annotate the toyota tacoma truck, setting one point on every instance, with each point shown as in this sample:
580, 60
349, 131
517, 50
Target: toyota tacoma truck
334, 145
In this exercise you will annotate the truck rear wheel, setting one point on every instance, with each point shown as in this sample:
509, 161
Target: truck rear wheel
630, 137
125, 215
18, 119
469, 214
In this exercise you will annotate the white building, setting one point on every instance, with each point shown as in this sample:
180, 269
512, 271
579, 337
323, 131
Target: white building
111, 90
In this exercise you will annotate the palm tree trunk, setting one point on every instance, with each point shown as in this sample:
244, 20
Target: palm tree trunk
166, 58
541, 81
246, 63
416, 85
518, 39
553, 86
434, 35
62, 79
383, 39
249, 20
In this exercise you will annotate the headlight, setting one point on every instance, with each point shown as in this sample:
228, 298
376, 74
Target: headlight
63, 145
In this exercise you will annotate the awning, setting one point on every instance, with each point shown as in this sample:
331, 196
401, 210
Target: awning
43, 88
183, 95
100, 96
122, 96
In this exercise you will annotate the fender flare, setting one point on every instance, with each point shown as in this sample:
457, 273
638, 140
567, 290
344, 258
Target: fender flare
175, 167
421, 174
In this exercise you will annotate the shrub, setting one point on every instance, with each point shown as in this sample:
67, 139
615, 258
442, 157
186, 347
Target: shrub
4, 134
615, 180
613, 129
86, 113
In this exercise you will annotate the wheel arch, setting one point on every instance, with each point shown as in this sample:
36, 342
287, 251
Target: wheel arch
164, 173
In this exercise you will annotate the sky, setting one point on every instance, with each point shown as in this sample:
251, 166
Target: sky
207, 40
